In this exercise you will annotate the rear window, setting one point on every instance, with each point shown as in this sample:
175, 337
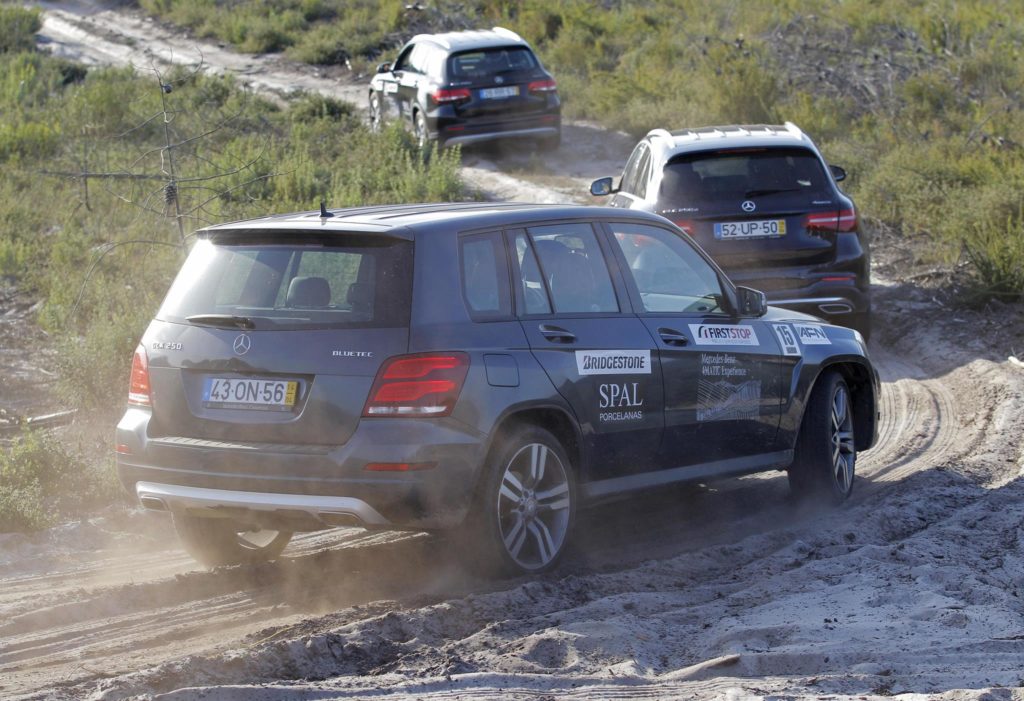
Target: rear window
484, 63
774, 176
334, 282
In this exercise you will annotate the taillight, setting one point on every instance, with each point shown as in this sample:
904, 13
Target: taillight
542, 86
426, 384
443, 96
831, 222
138, 385
687, 225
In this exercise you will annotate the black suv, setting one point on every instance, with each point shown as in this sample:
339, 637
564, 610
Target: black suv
481, 367
764, 203
468, 87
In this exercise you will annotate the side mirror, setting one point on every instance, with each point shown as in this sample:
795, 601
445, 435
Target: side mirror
837, 172
384, 67
602, 187
751, 303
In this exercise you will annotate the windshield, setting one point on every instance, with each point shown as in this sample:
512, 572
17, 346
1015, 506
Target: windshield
775, 177
333, 282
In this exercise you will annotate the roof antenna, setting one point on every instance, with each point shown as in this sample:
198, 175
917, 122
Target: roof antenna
324, 214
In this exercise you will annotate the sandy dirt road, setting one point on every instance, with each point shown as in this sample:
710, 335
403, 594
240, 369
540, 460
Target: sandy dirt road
915, 587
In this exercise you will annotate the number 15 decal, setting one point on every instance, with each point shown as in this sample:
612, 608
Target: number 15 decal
787, 339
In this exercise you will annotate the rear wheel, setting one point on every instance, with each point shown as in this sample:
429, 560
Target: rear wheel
222, 541
861, 321
376, 116
419, 127
524, 513
826, 456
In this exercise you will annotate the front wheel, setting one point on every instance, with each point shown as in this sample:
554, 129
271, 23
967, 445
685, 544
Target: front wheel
527, 505
221, 541
826, 456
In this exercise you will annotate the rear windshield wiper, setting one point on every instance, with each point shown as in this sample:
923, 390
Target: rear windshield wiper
224, 321
775, 191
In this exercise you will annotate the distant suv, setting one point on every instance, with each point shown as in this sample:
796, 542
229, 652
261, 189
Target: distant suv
481, 367
764, 203
468, 87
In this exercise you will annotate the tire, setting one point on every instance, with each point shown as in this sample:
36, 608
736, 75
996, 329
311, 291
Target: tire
523, 515
419, 130
220, 541
376, 116
825, 458
861, 321
549, 143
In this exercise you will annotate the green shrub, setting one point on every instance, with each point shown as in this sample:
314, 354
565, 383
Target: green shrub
42, 481
997, 256
18, 27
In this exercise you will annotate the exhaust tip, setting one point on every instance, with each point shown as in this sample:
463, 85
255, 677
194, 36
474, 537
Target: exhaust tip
153, 503
835, 308
339, 519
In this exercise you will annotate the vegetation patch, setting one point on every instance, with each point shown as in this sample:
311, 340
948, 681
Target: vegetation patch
107, 173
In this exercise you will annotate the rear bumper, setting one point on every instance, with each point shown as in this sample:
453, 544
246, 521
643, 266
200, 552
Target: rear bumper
828, 300
450, 130
313, 486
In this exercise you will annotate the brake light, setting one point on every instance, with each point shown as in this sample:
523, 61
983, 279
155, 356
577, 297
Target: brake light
832, 221
138, 384
687, 225
542, 86
443, 96
426, 384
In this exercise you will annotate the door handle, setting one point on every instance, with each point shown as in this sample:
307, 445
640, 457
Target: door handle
673, 337
556, 334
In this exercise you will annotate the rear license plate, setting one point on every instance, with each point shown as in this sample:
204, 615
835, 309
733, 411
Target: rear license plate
771, 228
498, 93
259, 395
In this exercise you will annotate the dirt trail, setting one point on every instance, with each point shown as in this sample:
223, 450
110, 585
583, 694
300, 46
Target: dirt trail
730, 590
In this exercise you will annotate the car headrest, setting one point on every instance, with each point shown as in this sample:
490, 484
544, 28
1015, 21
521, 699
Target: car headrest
308, 292
360, 296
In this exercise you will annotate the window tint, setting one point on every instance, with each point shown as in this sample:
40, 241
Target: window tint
485, 276
402, 62
488, 62
777, 176
574, 268
643, 174
669, 273
535, 295
312, 284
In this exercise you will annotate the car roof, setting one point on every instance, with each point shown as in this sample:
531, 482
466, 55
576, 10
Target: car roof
473, 39
673, 143
402, 220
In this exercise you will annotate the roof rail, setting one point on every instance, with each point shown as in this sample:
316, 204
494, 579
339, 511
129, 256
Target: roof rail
507, 33
660, 134
794, 130
431, 37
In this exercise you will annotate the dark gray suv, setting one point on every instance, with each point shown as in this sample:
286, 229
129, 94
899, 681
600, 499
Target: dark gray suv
481, 367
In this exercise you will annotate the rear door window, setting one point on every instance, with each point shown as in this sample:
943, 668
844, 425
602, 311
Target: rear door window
573, 269
720, 180
337, 281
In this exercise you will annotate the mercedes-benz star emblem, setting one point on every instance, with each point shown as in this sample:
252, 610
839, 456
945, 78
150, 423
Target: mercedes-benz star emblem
748, 206
242, 344
498, 79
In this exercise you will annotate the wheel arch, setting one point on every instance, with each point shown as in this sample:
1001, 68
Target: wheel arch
860, 380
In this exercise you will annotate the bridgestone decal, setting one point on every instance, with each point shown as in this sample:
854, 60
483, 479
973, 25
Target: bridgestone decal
811, 335
724, 335
613, 362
